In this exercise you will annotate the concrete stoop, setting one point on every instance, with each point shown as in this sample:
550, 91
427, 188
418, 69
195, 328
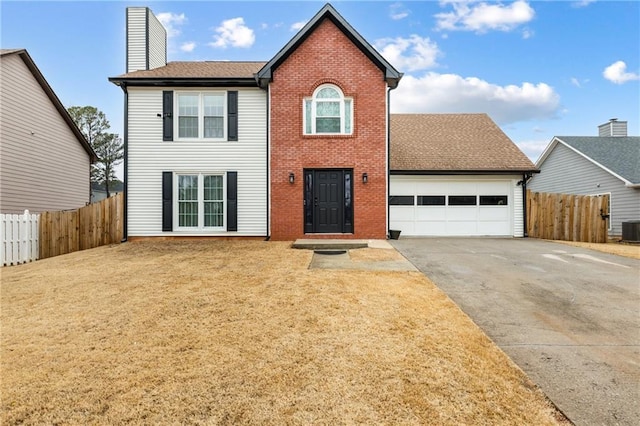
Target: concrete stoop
310, 244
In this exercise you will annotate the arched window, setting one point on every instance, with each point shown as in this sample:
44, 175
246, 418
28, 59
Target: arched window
328, 112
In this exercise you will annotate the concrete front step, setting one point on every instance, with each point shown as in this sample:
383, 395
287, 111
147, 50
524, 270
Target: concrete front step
311, 244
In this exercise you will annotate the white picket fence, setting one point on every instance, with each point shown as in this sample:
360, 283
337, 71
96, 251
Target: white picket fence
18, 238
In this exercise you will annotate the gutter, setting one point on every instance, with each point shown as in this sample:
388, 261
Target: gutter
632, 185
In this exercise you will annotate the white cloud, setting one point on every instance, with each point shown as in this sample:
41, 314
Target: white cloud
188, 46
482, 17
233, 32
171, 21
532, 148
297, 26
527, 33
582, 3
409, 54
575, 82
397, 11
617, 73
451, 93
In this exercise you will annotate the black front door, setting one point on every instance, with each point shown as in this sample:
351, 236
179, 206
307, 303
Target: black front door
328, 206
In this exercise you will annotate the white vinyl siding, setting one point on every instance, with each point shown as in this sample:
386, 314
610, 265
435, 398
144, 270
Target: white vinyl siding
136, 39
149, 156
439, 216
157, 42
43, 166
566, 172
143, 51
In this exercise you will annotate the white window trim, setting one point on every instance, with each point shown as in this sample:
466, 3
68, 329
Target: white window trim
201, 93
314, 101
176, 209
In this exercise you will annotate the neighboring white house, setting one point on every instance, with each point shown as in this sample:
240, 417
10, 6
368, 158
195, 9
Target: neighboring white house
594, 165
44, 159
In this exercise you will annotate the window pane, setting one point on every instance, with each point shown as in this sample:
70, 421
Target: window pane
431, 200
213, 201
188, 187
462, 200
213, 105
188, 127
213, 186
188, 105
401, 200
328, 125
493, 200
328, 92
187, 200
213, 127
214, 213
307, 116
347, 116
328, 109
188, 213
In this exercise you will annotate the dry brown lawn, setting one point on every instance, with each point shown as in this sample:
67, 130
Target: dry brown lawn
621, 249
212, 332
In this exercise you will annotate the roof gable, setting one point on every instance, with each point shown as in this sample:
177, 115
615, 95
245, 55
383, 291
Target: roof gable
24, 55
617, 155
391, 75
445, 143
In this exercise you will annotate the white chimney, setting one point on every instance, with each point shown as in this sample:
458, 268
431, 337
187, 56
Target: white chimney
613, 128
146, 40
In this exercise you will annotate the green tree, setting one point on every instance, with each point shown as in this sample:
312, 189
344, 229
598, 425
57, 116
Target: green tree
108, 146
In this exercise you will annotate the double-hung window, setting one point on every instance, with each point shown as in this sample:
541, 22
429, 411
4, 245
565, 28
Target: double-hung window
328, 111
201, 115
200, 201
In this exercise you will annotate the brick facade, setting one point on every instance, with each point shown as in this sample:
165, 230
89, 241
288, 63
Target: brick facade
328, 56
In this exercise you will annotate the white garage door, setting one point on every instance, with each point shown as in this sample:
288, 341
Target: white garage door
470, 206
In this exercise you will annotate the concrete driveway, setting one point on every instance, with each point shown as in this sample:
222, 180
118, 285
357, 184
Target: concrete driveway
569, 317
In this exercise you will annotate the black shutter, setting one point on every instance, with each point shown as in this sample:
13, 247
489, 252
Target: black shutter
232, 201
167, 115
167, 201
232, 115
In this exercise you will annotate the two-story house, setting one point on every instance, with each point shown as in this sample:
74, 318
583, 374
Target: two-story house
298, 146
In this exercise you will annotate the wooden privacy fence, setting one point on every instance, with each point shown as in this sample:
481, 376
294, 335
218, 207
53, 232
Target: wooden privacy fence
92, 226
18, 238
568, 217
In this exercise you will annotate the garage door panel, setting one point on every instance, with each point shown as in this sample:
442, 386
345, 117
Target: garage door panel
431, 213
460, 229
493, 228
493, 213
462, 214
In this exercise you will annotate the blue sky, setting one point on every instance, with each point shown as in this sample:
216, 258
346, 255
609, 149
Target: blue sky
538, 68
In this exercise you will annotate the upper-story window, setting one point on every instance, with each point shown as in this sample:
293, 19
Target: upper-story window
201, 115
328, 111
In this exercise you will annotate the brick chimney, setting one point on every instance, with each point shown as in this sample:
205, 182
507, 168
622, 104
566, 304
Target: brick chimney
613, 128
146, 40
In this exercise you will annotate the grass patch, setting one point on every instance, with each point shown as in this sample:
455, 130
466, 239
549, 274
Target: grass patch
215, 332
620, 249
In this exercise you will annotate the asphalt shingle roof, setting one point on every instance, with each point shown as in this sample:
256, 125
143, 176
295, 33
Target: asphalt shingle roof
206, 69
453, 142
620, 154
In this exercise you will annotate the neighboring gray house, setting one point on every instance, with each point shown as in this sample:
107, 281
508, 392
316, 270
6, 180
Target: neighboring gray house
593, 165
44, 158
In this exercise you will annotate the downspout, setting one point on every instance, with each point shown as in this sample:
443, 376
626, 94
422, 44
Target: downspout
125, 140
267, 146
388, 158
525, 177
